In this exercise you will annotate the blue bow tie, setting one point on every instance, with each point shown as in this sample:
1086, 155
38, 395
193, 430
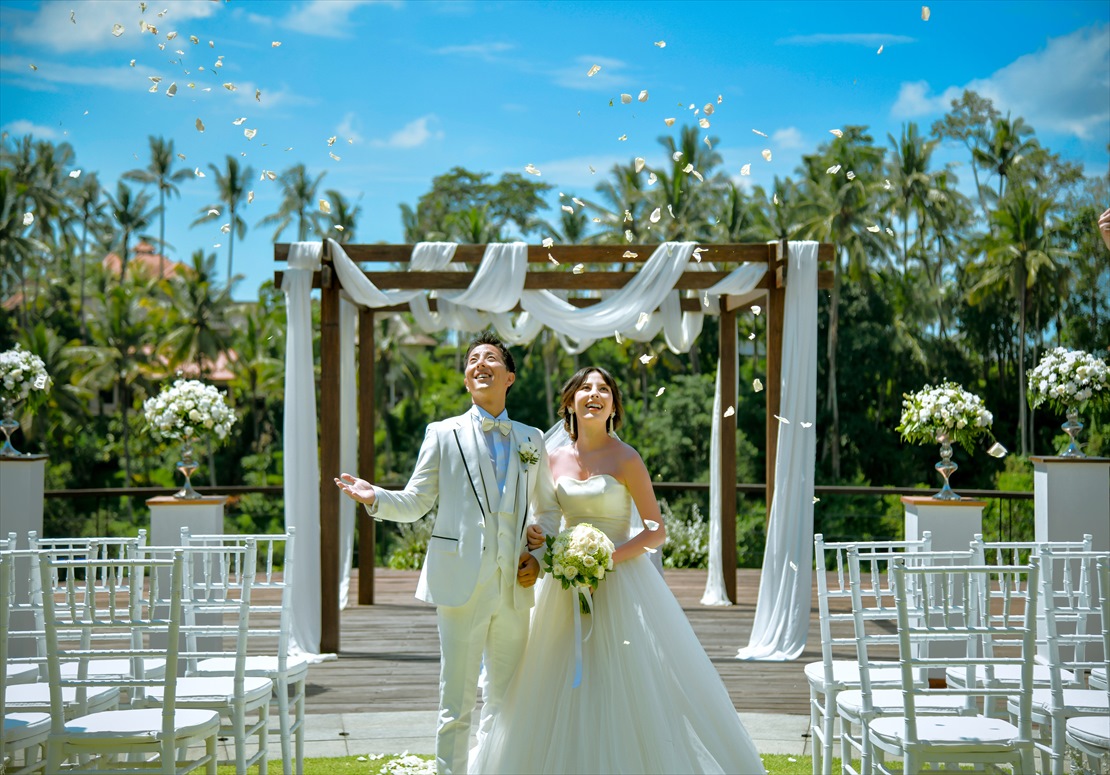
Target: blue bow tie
488, 424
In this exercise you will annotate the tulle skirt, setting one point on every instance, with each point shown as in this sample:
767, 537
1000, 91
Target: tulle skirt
649, 701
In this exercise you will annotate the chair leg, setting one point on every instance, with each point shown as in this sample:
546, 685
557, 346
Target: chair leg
300, 725
210, 752
828, 725
239, 727
814, 728
263, 737
282, 689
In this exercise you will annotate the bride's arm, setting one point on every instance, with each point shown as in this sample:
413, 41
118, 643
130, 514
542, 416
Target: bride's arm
635, 476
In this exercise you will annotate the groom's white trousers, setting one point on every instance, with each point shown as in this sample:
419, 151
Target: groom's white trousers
487, 628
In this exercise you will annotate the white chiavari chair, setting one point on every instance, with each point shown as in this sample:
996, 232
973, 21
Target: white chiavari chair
1089, 736
953, 608
218, 584
288, 672
1069, 611
834, 674
17, 672
22, 734
121, 623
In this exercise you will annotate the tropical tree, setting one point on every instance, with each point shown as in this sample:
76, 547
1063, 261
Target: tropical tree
87, 200
160, 173
1009, 144
16, 242
343, 217
465, 201
1018, 250
623, 205
257, 365
132, 215
969, 122
684, 204
231, 185
197, 315
298, 201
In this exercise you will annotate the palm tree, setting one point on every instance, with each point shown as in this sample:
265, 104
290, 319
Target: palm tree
16, 242
840, 210
623, 206
343, 217
87, 201
688, 202
1019, 248
776, 217
130, 212
160, 173
1007, 148
912, 185
473, 226
197, 315
231, 183
299, 201
257, 365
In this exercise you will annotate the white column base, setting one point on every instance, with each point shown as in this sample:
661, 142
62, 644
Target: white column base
1071, 496
952, 523
22, 482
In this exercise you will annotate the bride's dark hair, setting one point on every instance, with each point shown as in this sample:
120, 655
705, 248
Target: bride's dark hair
566, 407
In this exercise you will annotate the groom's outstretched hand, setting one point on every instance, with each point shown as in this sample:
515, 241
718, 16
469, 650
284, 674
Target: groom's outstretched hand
528, 570
358, 489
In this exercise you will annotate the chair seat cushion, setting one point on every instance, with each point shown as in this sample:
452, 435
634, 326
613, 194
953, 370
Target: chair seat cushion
1008, 675
1092, 730
20, 726
952, 731
846, 673
115, 668
204, 692
887, 701
295, 667
1077, 702
20, 674
144, 724
1097, 678
37, 697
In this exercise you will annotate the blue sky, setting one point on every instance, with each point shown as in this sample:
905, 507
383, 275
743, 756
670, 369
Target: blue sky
412, 89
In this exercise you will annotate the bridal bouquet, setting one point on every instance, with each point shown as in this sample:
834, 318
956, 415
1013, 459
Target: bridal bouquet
1067, 379
946, 409
20, 373
187, 409
579, 557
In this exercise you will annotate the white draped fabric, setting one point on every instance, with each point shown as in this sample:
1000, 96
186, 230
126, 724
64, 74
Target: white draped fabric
497, 287
348, 441
782, 611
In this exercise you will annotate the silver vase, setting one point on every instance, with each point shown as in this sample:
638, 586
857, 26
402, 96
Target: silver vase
946, 468
1072, 427
187, 466
8, 426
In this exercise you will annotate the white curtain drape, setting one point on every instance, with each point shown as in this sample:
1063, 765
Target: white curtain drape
348, 440
301, 454
782, 611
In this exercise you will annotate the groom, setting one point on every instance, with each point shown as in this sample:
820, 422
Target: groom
490, 477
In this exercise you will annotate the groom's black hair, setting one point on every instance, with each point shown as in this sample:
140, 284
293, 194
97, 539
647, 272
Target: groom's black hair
488, 337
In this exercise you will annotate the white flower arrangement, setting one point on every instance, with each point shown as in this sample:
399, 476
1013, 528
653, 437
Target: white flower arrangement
529, 454
579, 556
1069, 379
188, 409
21, 372
946, 409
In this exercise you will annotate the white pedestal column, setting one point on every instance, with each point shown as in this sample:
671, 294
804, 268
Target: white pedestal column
952, 523
22, 482
203, 516
1071, 496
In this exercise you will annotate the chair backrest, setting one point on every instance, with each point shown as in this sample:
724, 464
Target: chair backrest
118, 619
963, 616
834, 597
1074, 614
7, 599
272, 593
9, 543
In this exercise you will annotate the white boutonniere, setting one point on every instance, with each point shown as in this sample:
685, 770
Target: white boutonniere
529, 453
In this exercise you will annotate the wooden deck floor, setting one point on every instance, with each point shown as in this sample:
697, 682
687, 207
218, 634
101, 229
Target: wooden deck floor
389, 652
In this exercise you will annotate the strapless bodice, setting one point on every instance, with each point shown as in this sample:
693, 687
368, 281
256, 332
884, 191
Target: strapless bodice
600, 500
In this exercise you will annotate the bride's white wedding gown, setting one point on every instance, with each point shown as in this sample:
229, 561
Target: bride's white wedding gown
650, 701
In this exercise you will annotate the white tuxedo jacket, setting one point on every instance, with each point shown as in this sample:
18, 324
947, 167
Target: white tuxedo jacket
454, 468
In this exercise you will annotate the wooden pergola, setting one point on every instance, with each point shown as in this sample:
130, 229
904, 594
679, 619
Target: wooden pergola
725, 258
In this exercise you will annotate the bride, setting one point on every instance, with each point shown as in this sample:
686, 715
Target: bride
649, 700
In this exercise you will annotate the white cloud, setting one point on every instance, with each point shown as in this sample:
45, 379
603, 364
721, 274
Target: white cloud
328, 18
1064, 87
485, 51
869, 39
412, 135
787, 139
91, 28
50, 73
348, 128
609, 77
573, 174
21, 127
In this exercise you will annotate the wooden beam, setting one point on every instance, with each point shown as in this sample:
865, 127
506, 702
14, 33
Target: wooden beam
727, 451
366, 451
534, 281
776, 299
329, 460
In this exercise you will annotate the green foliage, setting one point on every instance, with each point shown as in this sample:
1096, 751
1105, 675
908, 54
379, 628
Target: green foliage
687, 544
411, 544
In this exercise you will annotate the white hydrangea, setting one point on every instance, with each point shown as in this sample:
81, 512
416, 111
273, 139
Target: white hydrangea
948, 409
20, 373
1068, 379
188, 409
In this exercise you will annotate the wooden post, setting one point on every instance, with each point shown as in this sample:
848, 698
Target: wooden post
366, 451
776, 299
727, 451
329, 456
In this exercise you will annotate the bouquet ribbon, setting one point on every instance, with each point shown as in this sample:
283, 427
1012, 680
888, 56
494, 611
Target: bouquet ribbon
584, 591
